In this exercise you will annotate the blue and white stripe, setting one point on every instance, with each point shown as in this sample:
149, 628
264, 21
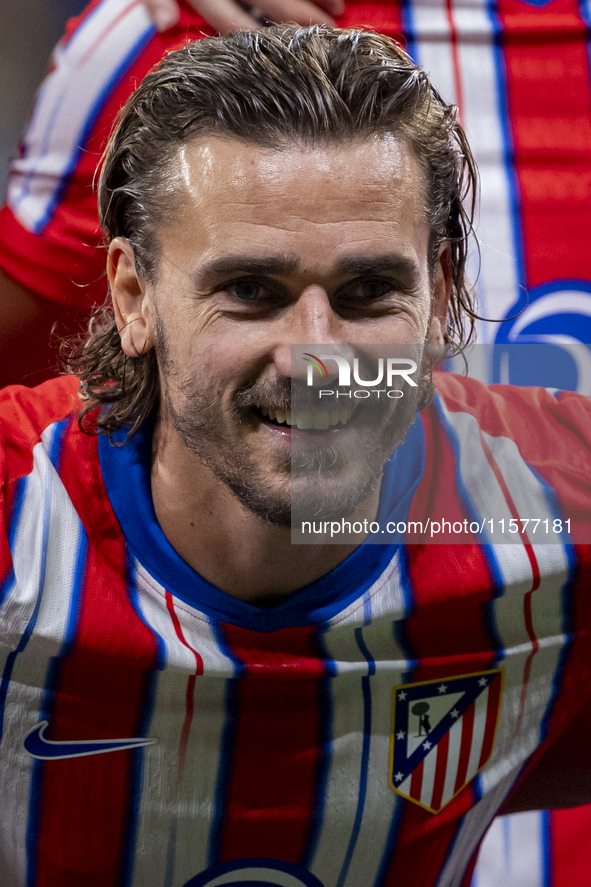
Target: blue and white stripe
164, 858
369, 662
86, 70
486, 122
40, 616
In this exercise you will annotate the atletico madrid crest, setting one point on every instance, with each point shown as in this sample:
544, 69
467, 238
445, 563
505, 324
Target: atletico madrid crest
443, 733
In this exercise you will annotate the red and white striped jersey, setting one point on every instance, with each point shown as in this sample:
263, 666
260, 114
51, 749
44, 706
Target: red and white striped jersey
540, 848
156, 731
518, 70
49, 230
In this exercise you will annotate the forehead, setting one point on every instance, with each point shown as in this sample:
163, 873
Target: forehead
370, 177
321, 200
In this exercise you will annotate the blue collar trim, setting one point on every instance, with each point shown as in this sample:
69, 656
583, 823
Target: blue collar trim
126, 473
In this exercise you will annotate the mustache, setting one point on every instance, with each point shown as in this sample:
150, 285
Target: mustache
289, 395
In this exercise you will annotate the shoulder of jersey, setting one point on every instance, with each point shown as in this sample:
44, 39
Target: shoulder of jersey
25, 413
519, 413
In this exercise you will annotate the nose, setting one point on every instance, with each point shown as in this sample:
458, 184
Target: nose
310, 321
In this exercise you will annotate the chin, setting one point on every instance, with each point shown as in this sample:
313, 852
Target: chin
312, 498
327, 499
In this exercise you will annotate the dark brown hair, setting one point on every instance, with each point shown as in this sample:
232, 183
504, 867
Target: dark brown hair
276, 87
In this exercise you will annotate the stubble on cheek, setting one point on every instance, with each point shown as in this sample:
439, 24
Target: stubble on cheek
218, 435
314, 482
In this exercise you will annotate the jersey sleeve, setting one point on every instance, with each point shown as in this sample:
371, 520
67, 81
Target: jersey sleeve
50, 241
24, 414
552, 432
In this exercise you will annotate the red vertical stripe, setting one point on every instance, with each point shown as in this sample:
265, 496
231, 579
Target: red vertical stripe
549, 100
569, 858
437, 494
455, 58
271, 798
440, 768
448, 636
570, 830
522, 533
533, 561
189, 699
374, 14
83, 811
427, 838
465, 746
449, 583
416, 782
569, 701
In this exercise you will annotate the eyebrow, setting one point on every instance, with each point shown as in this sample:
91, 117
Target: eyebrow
287, 264
389, 263
279, 266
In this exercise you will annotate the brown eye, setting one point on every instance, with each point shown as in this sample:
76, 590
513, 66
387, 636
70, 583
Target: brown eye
374, 289
247, 290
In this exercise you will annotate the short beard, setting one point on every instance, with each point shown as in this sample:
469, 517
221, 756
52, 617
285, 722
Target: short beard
384, 428
200, 426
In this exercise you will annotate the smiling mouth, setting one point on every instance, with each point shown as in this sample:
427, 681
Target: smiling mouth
317, 420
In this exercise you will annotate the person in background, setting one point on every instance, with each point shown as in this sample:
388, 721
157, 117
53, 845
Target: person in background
51, 254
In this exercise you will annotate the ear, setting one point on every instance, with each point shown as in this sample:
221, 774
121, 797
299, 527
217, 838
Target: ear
130, 304
442, 286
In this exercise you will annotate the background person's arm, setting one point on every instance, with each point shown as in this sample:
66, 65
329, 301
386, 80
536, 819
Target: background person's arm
52, 274
226, 15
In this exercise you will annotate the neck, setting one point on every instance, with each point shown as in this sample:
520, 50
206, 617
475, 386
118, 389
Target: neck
228, 545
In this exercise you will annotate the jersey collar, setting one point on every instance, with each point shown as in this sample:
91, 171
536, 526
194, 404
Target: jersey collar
126, 473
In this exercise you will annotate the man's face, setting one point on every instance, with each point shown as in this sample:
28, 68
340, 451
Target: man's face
267, 249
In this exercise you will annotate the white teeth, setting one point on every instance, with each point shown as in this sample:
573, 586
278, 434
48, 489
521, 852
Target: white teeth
305, 421
321, 421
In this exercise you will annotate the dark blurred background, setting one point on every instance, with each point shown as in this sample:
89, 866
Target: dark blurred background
29, 29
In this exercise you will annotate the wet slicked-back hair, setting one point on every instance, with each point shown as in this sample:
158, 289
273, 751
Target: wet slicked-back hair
277, 88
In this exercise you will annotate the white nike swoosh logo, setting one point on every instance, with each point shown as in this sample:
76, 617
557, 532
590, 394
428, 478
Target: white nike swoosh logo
47, 749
